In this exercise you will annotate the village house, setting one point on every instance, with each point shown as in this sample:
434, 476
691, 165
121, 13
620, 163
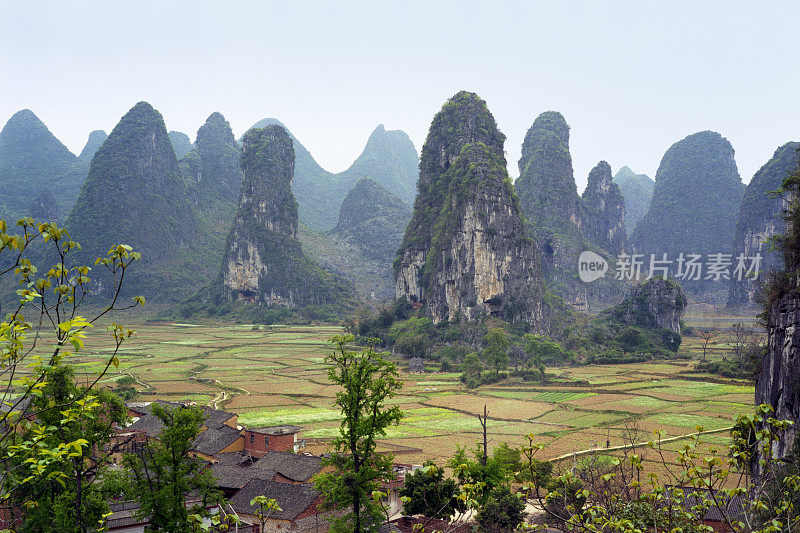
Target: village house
247, 462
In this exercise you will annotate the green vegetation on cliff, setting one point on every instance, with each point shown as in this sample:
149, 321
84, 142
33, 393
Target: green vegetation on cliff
761, 217
696, 200
565, 224
136, 194
32, 160
263, 265
466, 252
363, 245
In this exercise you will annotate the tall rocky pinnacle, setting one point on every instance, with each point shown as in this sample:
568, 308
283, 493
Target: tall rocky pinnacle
546, 185
213, 164
263, 261
389, 158
465, 252
604, 211
761, 217
564, 227
93, 143
637, 189
180, 143
695, 204
136, 195
32, 160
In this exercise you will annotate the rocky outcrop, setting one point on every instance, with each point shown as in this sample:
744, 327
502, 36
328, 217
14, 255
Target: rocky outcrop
180, 143
658, 303
93, 143
263, 261
389, 158
761, 217
213, 164
637, 190
33, 159
778, 383
465, 253
135, 194
604, 211
695, 204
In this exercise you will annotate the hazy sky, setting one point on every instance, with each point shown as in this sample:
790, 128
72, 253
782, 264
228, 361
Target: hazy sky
631, 78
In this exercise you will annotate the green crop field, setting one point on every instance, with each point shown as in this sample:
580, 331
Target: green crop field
276, 375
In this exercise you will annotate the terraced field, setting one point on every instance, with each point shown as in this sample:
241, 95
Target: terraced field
276, 375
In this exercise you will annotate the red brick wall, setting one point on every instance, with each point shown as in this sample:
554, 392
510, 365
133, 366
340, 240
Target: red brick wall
254, 443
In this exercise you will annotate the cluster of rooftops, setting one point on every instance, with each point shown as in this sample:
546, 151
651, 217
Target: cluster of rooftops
247, 462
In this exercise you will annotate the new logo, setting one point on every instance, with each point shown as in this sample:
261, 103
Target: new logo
591, 266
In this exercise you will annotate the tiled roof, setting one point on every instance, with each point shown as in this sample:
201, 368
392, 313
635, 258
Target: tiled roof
233, 470
151, 425
215, 438
290, 465
292, 499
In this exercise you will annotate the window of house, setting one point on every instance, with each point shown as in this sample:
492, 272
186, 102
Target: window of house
252, 439
266, 441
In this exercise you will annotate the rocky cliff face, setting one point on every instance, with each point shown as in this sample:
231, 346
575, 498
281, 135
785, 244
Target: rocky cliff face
389, 158
658, 303
93, 143
696, 200
135, 194
180, 143
637, 189
32, 160
604, 211
263, 261
761, 218
465, 253
778, 383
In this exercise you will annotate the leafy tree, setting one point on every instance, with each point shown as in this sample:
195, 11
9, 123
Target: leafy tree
503, 511
483, 478
265, 507
73, 498
540, 351
472, 370
162, 474
367, 380
39, 440
496, 352
428, 493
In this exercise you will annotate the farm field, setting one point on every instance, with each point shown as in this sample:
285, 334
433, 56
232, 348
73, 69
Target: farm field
275, 375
